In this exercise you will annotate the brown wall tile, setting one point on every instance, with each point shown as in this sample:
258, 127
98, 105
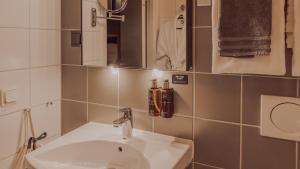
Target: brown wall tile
203, 16
103, 86
71, 14
203, 50
134, 85
254, 87
217, 144
102, 114
74, 114
218, 97
191, 166
70, 55
177, 126
262, 152
183, 94
74, 83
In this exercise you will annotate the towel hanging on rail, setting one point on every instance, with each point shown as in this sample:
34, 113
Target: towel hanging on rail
245, 28
272, 64
296, 53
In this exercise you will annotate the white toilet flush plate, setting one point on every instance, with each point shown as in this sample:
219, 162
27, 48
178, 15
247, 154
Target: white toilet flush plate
280, 117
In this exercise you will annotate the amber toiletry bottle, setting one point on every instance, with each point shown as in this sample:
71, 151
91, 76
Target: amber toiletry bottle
167, 101
154, 99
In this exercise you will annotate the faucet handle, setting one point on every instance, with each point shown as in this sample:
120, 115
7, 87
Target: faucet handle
127, 114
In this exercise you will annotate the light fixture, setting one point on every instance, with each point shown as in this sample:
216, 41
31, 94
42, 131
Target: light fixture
156, 74
114, 71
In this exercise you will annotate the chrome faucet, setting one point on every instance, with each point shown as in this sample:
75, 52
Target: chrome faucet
126, 121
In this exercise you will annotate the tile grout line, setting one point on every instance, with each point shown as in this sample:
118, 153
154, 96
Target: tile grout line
87, 94
183, 116
296, 165
194, 75
118, 91
296, 151
241, 122
29, 52
206, 165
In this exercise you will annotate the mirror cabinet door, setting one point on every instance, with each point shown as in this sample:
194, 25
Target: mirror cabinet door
129, 33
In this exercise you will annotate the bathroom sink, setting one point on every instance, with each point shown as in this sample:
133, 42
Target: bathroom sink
93, 154
100, 146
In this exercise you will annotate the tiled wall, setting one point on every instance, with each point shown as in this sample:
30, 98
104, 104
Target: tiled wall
29, 63
219, 112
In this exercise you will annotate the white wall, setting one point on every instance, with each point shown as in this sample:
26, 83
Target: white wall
29, 63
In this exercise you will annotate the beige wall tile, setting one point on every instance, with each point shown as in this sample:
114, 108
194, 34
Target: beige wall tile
103, 86
262, 152
44, 47
142, 120
14, 48
218, 97
45, 14
134, 85
10, 131
74, 83
74, 114
171, 126
217, 144
47, 118
102, 114
45, 84
20, 81
20, 15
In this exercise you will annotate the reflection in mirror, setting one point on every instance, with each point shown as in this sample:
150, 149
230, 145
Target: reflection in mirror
168, 32
139, 34
126, 40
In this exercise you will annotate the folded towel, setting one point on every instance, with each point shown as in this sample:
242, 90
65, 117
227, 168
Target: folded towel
290, 16
273, 64
245, 28
296, 54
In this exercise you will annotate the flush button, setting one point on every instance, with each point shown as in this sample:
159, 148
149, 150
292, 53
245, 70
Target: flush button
280, 117
286, 117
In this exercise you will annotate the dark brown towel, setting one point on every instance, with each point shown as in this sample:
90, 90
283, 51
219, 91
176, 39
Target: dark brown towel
245, 28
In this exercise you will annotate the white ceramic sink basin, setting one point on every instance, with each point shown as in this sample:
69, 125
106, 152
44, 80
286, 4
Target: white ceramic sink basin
93, 154
100, 146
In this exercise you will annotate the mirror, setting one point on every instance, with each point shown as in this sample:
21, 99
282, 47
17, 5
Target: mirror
137, 34
116, 6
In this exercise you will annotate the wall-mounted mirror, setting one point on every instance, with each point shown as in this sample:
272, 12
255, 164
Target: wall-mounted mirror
137, 33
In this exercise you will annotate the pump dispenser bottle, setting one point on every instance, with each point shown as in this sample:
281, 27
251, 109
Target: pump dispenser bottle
167, 101
154, 99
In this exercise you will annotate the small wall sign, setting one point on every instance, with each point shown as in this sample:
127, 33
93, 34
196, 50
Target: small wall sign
203, 2
180, 79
